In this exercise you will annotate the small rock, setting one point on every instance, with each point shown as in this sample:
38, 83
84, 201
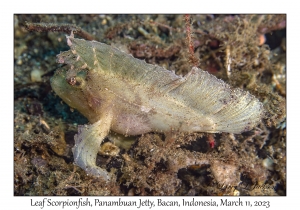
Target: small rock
36, 75
268, 164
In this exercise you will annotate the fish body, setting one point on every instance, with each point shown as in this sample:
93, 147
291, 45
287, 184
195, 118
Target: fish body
120, 93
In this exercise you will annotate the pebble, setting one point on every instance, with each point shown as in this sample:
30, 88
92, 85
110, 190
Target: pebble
268, 164
19, 62
36, 75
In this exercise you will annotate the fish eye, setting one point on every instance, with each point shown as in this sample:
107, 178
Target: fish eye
71, 81
74, 81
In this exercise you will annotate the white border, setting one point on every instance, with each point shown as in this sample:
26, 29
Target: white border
8, 201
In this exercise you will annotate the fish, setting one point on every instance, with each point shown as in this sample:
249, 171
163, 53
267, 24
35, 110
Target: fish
117, 92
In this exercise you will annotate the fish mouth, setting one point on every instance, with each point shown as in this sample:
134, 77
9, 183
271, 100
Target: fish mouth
58, 81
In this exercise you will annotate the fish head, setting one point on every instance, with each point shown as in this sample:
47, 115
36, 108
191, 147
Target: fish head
72, 86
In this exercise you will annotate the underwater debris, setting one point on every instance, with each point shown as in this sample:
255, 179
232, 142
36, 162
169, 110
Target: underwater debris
67, 28
120, 93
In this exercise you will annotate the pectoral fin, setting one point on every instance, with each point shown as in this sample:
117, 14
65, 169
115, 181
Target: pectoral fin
87, 145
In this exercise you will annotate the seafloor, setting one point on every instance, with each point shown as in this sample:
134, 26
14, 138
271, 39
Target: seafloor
246, 51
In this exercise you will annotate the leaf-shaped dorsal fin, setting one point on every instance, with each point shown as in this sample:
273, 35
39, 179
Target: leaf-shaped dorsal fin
113, 61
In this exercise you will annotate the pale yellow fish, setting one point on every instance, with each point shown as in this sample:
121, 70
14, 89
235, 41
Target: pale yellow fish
120, 93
